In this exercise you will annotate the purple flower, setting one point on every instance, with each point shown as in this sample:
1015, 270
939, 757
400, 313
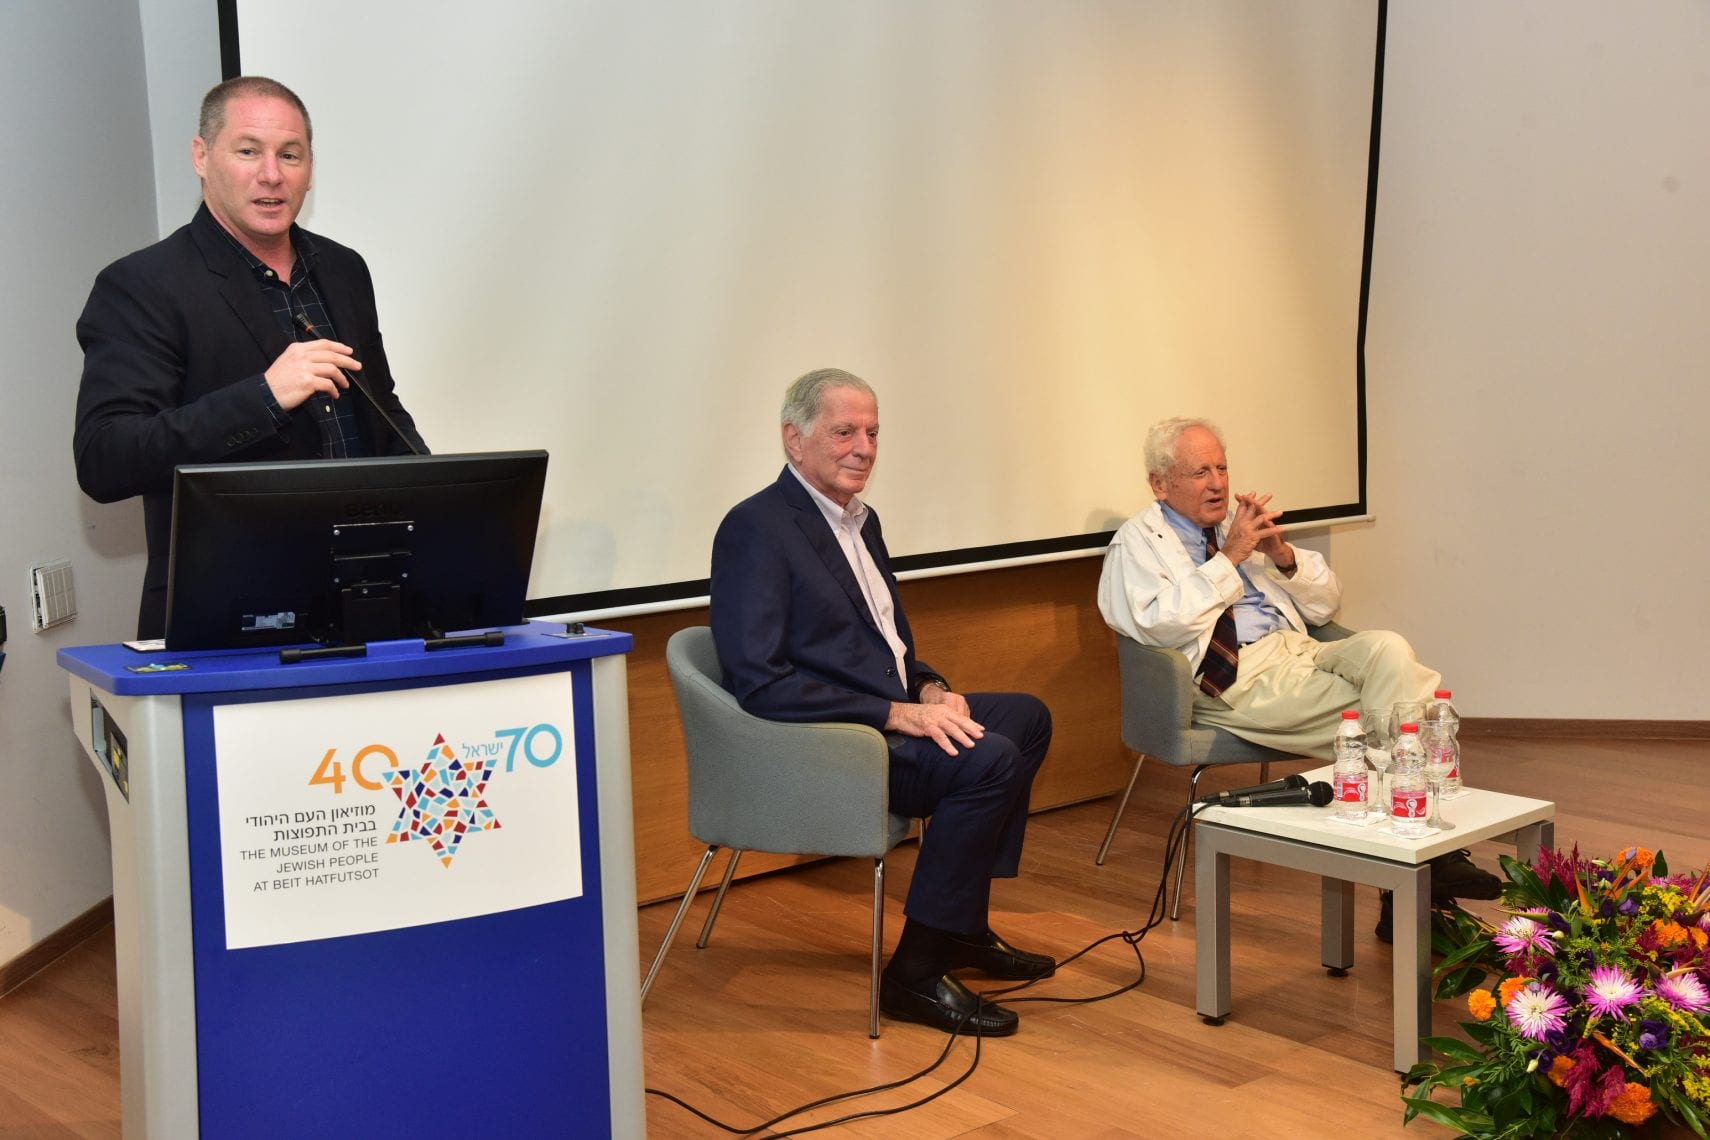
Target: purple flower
1629, 906
1521, 935
1536, 1011
1684, 991
1610, 991
1652, 1034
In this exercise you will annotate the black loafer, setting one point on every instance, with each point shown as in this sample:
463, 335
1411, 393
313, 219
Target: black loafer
996, 958
1455, 876
945, 1004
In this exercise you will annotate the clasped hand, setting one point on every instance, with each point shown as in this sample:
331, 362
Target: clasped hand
307, 367
1254, 527
942, 716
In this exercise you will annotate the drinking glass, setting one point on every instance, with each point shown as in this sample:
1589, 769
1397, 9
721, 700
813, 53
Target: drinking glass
1438, 764
1405, 712
1379, 739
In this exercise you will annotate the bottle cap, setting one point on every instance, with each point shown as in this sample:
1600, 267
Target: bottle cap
1443, 694
1410, 727
1350, 714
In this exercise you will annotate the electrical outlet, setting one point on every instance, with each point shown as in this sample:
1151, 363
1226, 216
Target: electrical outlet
53, 598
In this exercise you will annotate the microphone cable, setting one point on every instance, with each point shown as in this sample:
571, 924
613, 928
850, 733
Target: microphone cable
1176, 838
851, 1094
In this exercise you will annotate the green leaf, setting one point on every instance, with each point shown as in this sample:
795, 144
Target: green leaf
1456, 1049
1462, 1120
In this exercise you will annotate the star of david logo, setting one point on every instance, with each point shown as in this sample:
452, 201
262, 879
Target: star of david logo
442, 800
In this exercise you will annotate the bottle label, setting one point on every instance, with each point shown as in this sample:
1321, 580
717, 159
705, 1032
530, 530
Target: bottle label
1351, 789
1407, 804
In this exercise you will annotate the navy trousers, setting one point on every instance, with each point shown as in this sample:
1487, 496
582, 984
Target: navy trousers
977, 803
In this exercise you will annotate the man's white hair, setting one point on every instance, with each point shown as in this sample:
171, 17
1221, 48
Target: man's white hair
1162, 437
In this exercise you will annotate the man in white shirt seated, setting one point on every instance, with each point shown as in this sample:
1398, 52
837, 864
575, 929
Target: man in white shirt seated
1229, 592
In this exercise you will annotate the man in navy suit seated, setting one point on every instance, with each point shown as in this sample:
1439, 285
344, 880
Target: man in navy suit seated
809, 628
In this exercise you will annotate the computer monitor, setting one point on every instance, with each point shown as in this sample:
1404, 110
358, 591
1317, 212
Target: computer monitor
347, 551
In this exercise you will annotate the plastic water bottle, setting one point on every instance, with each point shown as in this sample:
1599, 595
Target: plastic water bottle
1350, 747
1443, 724
1407, 793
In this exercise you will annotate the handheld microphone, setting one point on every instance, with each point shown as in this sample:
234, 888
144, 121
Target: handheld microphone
302, 321
1287, 783
1315, 794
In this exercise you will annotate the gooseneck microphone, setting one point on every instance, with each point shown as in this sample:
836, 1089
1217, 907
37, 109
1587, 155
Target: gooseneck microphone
302, 321
1315, 794
1287, 783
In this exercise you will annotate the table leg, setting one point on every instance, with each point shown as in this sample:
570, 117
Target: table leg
1412, 964
1532, 838
1211, 928
1336, 925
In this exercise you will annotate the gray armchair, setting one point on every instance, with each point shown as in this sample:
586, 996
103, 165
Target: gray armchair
761, 785
1157, 721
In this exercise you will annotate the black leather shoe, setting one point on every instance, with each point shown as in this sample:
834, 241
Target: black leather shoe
996, 958
945, 1004
1455, 876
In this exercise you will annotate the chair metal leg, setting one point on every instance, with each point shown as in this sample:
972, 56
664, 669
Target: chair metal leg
878, 945
1187, 838
676, 921
1121, 806
718, 899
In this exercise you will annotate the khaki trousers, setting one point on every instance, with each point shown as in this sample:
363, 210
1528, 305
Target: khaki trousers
1290, 690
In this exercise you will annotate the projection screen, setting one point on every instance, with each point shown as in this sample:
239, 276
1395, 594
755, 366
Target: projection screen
616, 230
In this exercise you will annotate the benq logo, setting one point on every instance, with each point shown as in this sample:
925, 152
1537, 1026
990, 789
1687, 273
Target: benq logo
382, 510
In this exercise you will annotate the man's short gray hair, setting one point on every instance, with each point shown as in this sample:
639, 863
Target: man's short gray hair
1161, 440
804, 398
214, 103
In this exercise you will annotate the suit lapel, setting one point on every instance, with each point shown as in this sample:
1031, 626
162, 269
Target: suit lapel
246, 299
817, 531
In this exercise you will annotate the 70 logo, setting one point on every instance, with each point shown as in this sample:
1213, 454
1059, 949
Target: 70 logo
541, 745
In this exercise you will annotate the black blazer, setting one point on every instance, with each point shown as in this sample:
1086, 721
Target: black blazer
795, 637
175, 340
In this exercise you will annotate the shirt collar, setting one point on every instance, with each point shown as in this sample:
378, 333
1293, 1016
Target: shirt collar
1190, 532
855, 512
301, 244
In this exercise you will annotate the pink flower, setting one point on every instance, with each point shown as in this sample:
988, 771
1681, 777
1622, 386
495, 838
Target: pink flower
1536, 1011
1521, 935
1610, 991
1684, 991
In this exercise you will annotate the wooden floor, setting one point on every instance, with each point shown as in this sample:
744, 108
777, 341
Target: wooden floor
772, 1014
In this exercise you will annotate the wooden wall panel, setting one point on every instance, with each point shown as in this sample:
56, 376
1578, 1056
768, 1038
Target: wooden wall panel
1032, 628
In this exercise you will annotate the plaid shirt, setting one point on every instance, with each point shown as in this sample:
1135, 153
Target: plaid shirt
341, 435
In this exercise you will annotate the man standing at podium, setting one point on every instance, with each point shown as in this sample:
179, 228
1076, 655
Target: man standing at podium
225, 341
809, 627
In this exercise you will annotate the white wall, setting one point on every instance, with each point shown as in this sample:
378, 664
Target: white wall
80, 186
1538, 355
78, 192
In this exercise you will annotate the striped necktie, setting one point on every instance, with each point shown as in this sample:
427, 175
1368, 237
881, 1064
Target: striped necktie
1217, 671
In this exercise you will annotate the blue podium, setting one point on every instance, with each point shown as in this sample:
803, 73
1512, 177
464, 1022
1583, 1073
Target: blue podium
390, 895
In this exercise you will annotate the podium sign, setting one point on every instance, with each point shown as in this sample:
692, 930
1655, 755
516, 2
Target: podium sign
391, 895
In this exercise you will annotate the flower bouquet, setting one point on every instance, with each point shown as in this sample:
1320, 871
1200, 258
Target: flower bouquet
1597, 1020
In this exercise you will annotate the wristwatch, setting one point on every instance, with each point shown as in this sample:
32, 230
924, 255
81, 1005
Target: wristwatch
921, 680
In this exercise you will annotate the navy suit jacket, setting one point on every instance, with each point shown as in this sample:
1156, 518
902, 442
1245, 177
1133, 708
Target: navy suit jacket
795, 637
175, 340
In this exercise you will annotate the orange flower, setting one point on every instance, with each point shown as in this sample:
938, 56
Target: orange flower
1638, 857
1481, 1004
1559, 1070
1699, 938
1669, 934
1509, 987
1633, 1105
